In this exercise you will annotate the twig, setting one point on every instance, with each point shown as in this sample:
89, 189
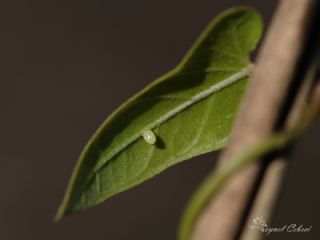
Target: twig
270, 187
259, 115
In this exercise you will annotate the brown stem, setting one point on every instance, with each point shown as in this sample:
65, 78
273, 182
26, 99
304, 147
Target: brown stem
267, 194
263, 103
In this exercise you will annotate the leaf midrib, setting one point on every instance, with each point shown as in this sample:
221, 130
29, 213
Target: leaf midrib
194, 99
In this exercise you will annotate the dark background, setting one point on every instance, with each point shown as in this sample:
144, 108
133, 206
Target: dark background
66, 65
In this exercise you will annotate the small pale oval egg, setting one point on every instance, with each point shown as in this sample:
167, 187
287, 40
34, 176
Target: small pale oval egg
149, 137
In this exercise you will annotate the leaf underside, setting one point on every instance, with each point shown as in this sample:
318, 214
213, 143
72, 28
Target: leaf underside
190, 109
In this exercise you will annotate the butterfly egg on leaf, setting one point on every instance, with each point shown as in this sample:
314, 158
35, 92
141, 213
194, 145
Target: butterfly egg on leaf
149, 137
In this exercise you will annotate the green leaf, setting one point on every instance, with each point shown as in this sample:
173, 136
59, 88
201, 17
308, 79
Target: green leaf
219, 176
190, 110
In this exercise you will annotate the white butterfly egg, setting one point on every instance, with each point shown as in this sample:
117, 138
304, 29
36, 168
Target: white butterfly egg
149, 137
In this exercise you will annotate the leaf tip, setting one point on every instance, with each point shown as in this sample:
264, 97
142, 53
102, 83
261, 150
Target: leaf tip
61, 212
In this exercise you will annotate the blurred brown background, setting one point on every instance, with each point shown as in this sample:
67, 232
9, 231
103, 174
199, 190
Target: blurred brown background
65, 65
